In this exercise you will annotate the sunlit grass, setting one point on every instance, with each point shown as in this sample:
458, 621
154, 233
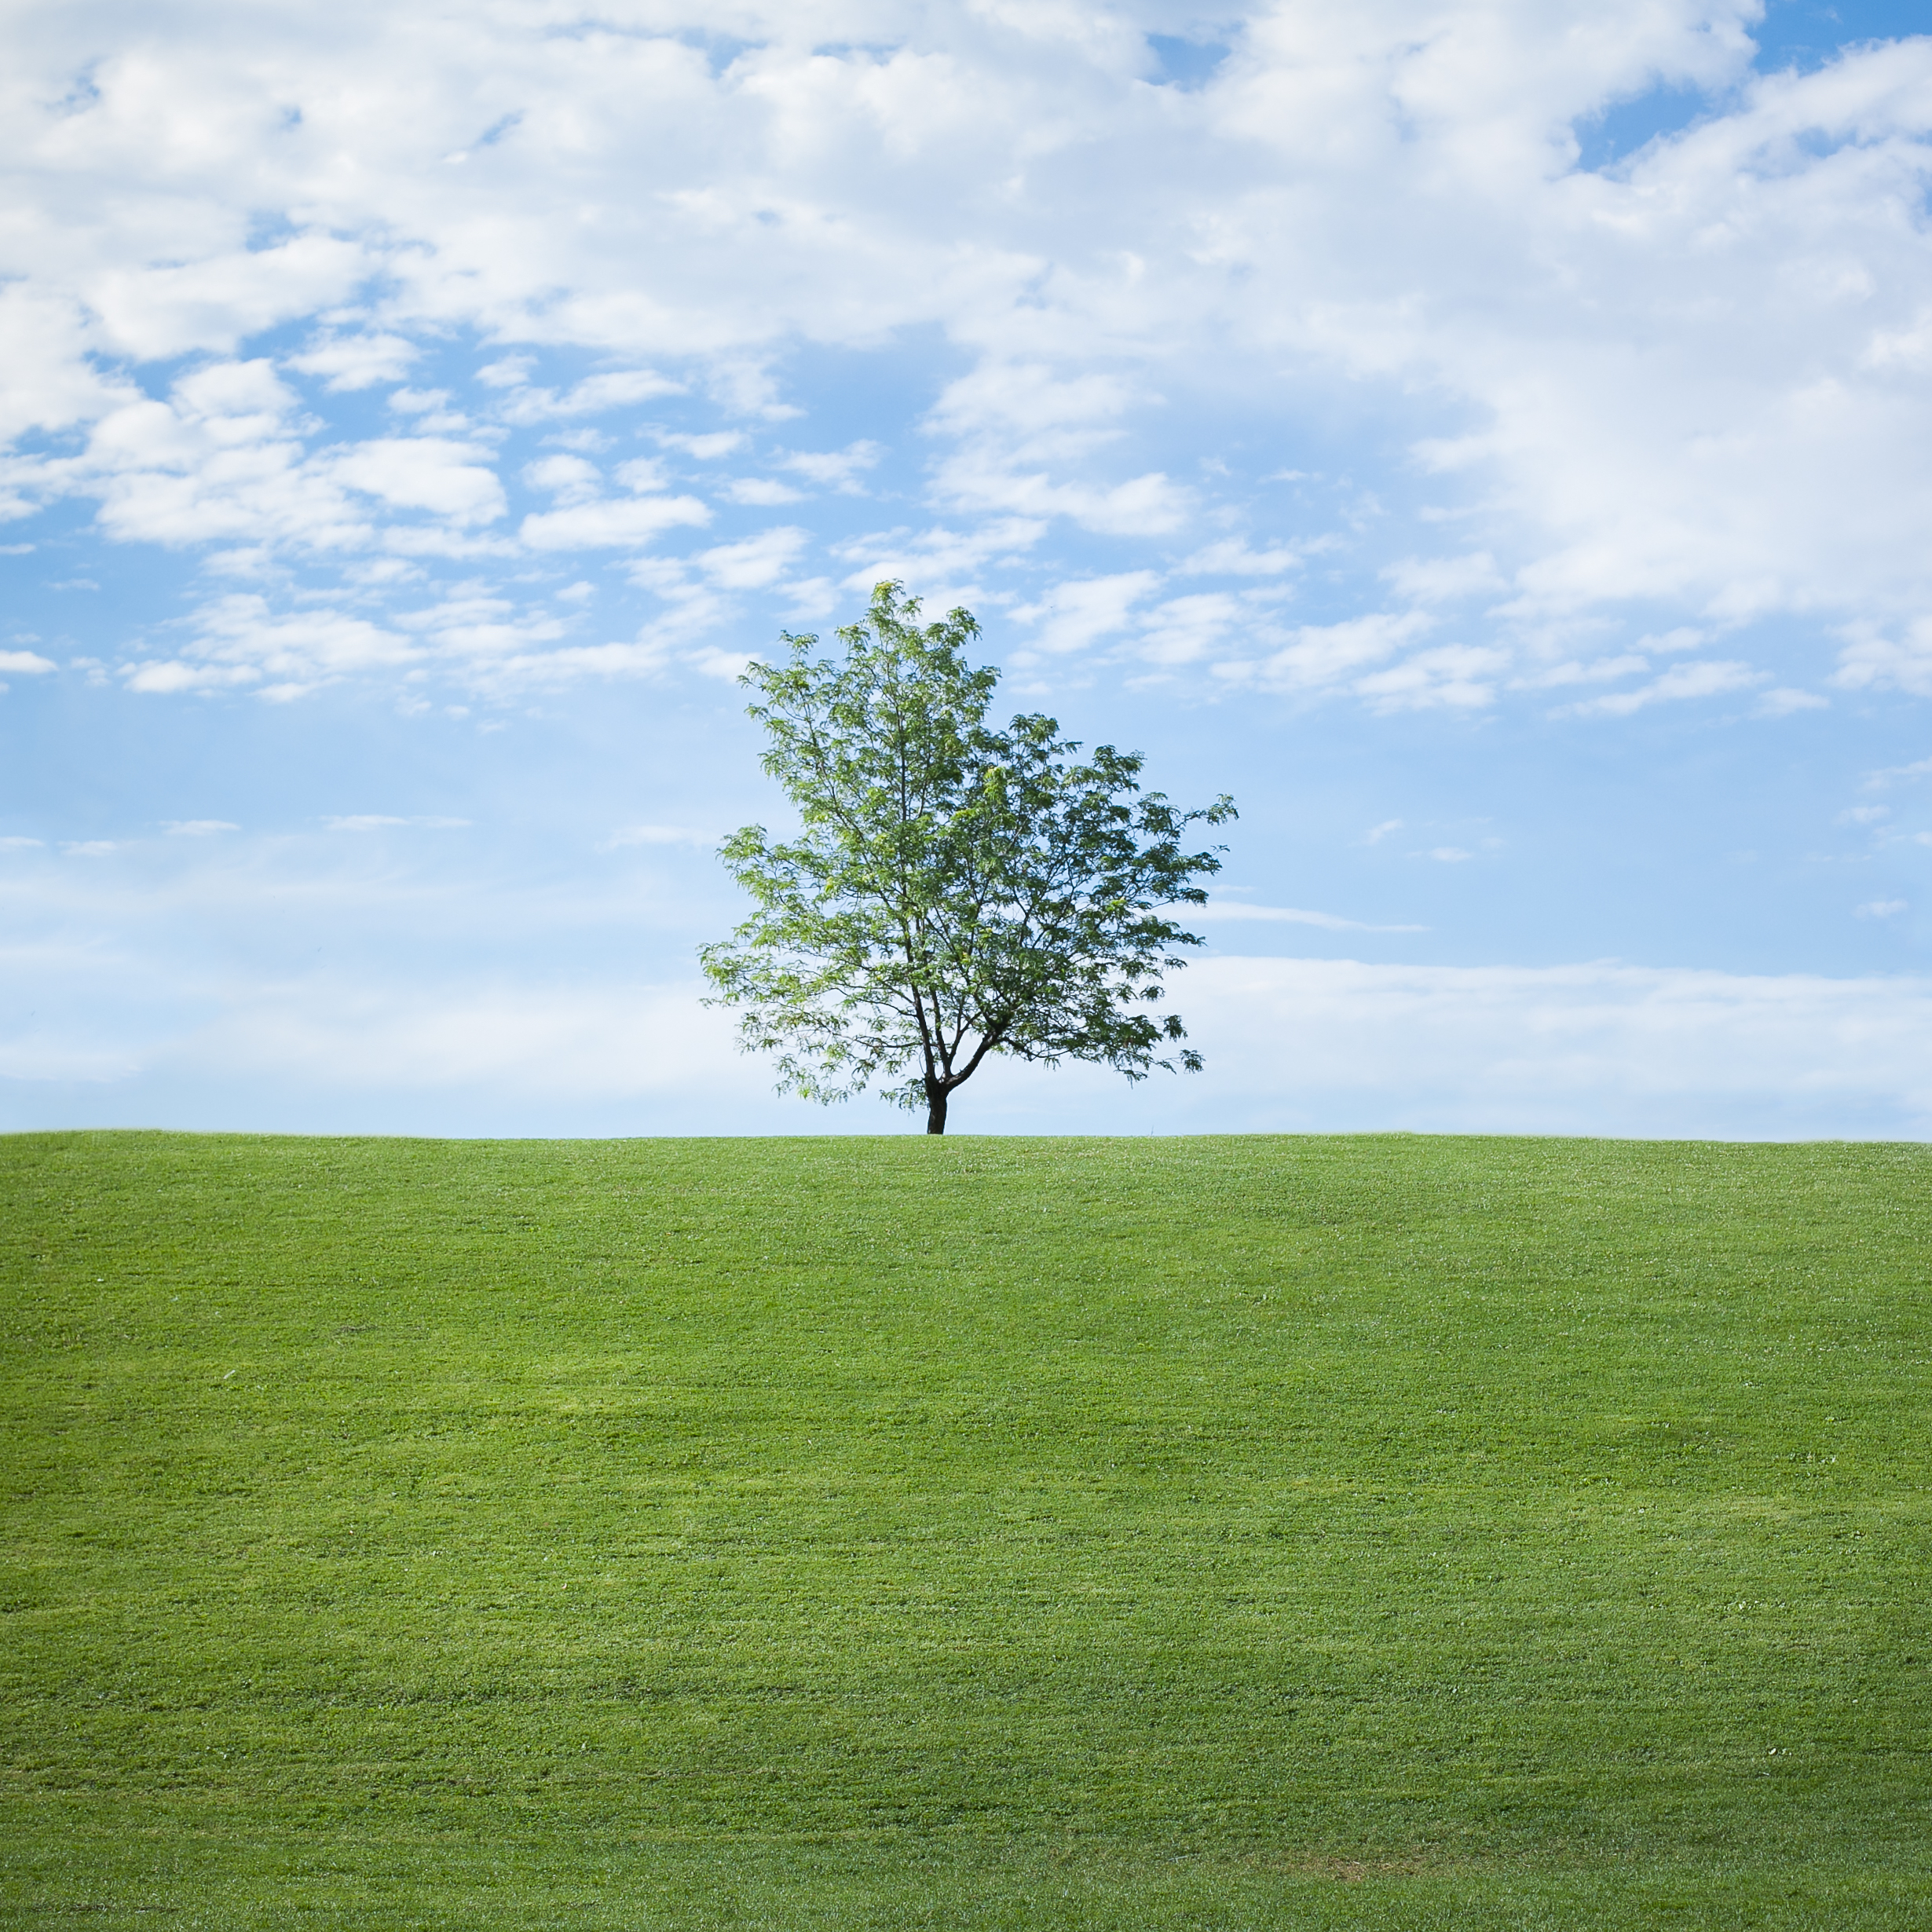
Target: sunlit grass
1384, 1532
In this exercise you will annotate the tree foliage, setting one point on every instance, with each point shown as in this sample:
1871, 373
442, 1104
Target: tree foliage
954, 891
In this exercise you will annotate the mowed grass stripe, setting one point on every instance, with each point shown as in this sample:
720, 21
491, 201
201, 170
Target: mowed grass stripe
1259, 1531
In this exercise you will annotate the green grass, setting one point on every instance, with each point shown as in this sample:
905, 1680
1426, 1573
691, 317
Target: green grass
1376, 1532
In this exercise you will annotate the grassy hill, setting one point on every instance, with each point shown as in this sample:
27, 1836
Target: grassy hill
1376, 1532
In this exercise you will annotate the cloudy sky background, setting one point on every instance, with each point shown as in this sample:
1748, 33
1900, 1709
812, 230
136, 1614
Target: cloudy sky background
1489, 437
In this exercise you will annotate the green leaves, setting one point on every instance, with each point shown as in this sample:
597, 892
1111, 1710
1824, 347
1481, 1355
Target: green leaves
954, 891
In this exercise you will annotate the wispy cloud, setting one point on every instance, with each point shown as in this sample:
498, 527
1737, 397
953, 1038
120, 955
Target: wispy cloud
658, 835
381, 822
1289, 915
1896, 774
1704, 679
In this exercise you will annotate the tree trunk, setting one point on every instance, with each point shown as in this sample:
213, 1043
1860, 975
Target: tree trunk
935, 1108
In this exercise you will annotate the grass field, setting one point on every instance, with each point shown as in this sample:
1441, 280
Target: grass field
1375, 1532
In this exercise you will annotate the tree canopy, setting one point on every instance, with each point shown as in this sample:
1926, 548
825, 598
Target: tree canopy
954, 891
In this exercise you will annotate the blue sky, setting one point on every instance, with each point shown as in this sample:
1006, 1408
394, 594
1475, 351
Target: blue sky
1485, 438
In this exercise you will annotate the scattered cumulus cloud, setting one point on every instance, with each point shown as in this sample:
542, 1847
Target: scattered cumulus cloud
1324, 658
455, 480
834, 469
707, 447
593, 396
1074, 615
1458, 677
761, 491
757, 562
1880, 657
1537, 369
620, 522
358, 362
242, 643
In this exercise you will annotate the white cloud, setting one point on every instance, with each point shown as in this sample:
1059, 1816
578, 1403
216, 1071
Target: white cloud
1891, 774
569, 479
47, 379
761, 490
939, 563
151, 310
351, 362
1689, 385
1882, 909
1237, 909
1786, 700
1444, 580
165, 677
1575, 670
1186, 630
454, 481
642, 473
196, 828
658, 835
26, 663
757, 561
616, 389
834, 469
1075, 614
1232, 557
220, 460
1873, 659
1593, 1049
1321, 657
479, 633
1707, 678
1144, 506
706, 448
241, 642
381, 822
1290, 1044
617, 523
1454, 676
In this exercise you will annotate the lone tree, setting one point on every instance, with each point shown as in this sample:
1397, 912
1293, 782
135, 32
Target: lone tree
956, 891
